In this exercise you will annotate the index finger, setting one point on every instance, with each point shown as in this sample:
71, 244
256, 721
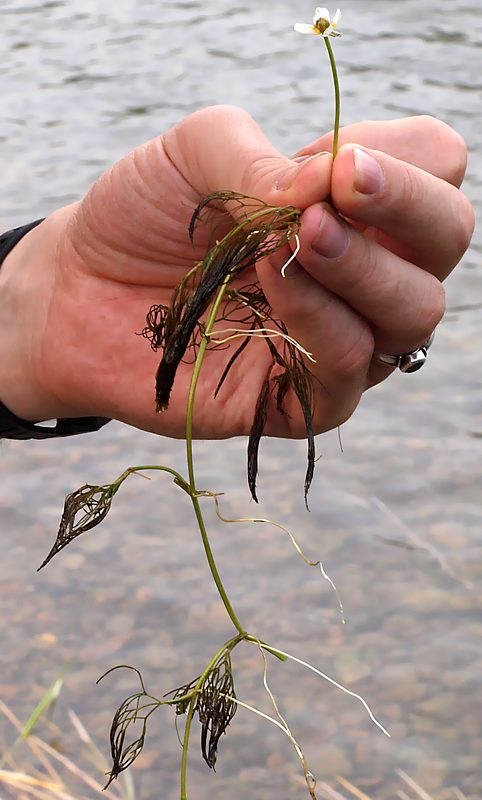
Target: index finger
415, 214
423, 141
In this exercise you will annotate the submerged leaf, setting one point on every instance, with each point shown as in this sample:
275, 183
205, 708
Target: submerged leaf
156, 326
256, 433
134, 710
230, 363
256, 231
182, 696
83, 510
215, 704
216, 707
301, 381
249, 230
293, 375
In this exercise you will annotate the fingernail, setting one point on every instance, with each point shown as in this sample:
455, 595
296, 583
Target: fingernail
331, 241
283, 184
368, 172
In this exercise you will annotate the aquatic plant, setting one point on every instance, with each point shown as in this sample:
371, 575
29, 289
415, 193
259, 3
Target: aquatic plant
212, 308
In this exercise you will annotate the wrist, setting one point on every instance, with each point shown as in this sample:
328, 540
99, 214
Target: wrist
27, 277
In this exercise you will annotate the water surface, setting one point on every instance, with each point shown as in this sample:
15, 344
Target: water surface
396, 517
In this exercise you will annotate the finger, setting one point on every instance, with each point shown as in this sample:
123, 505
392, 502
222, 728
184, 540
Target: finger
423, 141
222, 148
402, 303
338, 339
428, 219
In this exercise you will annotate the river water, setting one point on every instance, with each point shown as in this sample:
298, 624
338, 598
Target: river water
396, 517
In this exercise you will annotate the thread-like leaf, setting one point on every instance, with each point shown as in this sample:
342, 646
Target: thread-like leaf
83, 510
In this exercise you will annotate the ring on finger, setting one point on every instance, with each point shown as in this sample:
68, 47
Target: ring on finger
406, 362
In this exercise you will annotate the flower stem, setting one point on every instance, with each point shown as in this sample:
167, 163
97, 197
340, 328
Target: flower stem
190, 461
336, 86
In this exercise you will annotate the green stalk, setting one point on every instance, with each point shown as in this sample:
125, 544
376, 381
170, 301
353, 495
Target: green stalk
185, 747
189, 455
336, 85
131, 470
228, 646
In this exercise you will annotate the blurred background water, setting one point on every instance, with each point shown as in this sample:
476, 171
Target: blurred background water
396, 516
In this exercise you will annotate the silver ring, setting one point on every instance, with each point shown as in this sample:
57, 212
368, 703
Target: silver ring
407, 362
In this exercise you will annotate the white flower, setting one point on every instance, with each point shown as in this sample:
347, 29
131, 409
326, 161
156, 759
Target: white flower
322, 25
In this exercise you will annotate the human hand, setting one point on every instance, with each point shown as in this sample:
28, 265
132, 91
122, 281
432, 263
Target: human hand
78, 287
410, 217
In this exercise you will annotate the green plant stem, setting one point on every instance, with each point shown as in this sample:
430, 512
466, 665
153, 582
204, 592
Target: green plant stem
336, 85
228, 646
190, 460
274, 652
145, 468
185, 748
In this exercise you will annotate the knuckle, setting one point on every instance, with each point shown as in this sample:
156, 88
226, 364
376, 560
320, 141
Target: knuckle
433, 128
258, 171
225, 113
362, 265
466, 225
427, 308
412, 189
431, 311
204, 123
351, 366
337, 412
437, 306
445, 139
456, 151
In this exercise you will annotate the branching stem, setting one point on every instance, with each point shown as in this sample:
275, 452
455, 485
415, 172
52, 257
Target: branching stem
227, 647
145, 468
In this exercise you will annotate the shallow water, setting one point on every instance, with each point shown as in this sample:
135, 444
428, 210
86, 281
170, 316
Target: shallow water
396, 517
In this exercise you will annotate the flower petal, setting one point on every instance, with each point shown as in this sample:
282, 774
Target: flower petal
336, 17
330, 31
321, 13
302, 27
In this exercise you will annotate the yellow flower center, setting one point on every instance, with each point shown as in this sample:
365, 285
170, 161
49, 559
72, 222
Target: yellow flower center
322, 24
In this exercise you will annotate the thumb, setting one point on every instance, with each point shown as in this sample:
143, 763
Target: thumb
140, 208
222, 148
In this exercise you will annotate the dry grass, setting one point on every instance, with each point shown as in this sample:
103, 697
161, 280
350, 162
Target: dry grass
31, 768
34, 770
410, 791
